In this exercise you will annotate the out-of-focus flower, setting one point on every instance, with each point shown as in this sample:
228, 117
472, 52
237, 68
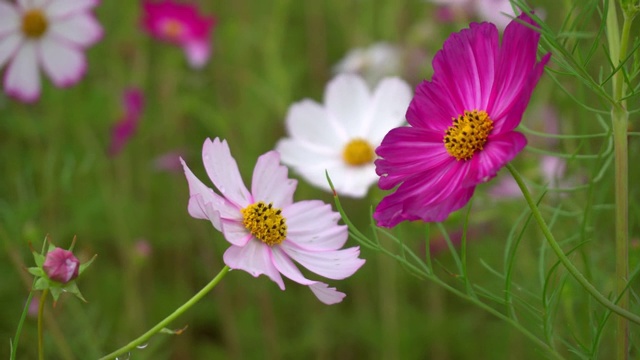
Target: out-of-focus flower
142, 248
373, 63
133, 103
61, 265
266, 229
498, 12
341, 135
51, 35
461, 123
169, 162
182, 25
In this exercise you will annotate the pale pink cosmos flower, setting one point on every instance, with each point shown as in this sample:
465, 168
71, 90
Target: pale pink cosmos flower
182, 25
133, 103
61, 265
266, 229
51, 35
461, 123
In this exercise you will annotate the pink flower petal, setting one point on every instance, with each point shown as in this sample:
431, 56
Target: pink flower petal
270, 182
254, 258
8, 47
223, 171
9, 19
497, 152
235, 232
312, 225
326, 294
22, 79
64, 8
332, 264
430, 110
65, 65
198, 53
345, 97
81, 30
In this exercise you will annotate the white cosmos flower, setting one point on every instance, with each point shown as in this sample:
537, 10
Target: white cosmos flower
51, 34
373, 63
341, 135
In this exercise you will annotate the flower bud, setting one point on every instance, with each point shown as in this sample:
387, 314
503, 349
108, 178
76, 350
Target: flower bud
61, 265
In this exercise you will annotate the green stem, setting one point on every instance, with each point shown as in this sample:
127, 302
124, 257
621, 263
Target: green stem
40, 330
162, 324
16, 338
563, 258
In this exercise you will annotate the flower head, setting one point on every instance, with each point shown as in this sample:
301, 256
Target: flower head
341, 135
266, 229
48, 34
182, 25
61, 265
133, 103
461, 123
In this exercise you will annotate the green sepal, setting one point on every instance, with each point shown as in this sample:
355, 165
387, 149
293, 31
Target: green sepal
38, 258
36, 271
86, 265
55, 292
41, 284
72, 288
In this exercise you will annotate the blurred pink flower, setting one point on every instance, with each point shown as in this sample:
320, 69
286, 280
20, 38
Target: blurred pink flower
461, 123
266, 229
182, 25
169, 162
51, 35
133, 103
61, 265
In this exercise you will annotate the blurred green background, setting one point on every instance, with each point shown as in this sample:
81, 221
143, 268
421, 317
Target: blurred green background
57, 179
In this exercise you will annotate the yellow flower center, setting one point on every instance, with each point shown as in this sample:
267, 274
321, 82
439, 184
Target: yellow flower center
468, 134
172, 29
34, 23
265, 223
358, 152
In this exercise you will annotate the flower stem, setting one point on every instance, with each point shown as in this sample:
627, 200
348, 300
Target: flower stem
40, 330
142, 339
563, 258
16, 338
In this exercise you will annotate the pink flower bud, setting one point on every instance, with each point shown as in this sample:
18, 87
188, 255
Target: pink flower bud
61, 265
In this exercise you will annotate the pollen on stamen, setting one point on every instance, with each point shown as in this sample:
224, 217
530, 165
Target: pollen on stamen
34, 23
358, 152
265, 222
468, 134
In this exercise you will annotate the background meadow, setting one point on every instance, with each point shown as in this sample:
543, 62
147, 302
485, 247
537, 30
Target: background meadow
58, 179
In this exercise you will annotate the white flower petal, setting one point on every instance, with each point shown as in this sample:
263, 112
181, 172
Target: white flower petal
270, 182
353, 181
388, 107
347, 98
308, 121
326, 294
300, 153
332, 264
62, 8
30, 4
10, 19
223, 171
82, 29
254, 258
8, 47
64, 64
22, 79
314, 226
235, 232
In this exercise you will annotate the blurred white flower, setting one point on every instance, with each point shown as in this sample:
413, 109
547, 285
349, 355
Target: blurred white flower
373, 63
341, 135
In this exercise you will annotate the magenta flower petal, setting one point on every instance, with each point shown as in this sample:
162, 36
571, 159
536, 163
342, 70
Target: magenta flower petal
126, 127
254, 258
266, 228
461, 123
61, 265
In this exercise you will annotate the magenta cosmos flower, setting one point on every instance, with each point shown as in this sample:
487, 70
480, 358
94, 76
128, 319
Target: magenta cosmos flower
48, 34
461, 123
266, 229
181, 25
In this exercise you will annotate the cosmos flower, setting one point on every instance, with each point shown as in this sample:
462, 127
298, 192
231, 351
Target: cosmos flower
461, 123
266, 229
51, 35
133, 103
182, 25
373, 63
61, 265
341, 135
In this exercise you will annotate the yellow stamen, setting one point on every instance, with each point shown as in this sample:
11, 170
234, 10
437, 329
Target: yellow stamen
172, 29
358, 152
468, 134
34, 23
265, 223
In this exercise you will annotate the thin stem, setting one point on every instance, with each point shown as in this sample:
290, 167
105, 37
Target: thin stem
40, 330
142, 339
16, 338
563, 258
